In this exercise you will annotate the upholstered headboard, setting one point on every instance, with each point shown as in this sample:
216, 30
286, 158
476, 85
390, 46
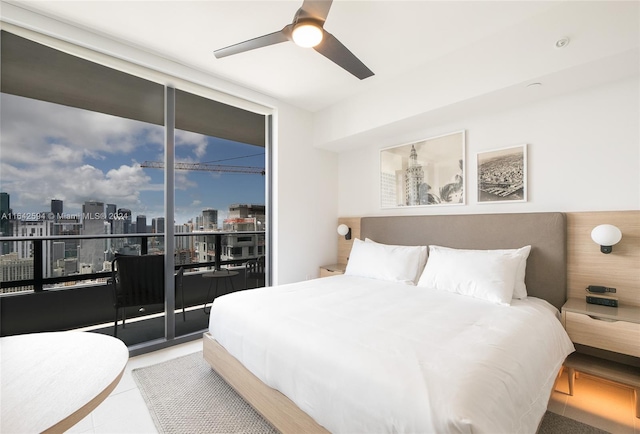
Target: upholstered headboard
546, 275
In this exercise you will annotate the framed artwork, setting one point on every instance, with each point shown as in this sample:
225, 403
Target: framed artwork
424, 173
502, 175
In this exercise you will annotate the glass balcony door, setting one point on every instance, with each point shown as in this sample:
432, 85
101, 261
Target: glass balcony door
88, 151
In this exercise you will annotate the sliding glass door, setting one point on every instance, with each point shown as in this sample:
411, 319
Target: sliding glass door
97, 163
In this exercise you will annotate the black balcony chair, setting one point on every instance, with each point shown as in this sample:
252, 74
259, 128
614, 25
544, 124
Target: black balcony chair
255, 270
139, 281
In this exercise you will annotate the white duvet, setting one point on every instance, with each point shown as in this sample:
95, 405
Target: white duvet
367, 356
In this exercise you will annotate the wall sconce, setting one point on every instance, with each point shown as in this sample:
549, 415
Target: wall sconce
607, 236
345, 231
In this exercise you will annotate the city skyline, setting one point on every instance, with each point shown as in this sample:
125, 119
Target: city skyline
108, 215
49, 151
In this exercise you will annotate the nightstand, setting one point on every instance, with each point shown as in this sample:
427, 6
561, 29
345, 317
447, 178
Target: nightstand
609, 328
332, 270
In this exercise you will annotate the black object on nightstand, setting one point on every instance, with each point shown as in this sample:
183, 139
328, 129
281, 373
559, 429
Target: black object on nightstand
595, 295
602, 300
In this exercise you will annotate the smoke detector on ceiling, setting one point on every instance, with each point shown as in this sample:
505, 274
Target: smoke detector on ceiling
562, 42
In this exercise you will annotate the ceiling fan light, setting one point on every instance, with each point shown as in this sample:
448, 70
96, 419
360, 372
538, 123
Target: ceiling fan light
307, 35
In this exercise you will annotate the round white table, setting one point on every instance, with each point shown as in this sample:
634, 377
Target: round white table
51, 381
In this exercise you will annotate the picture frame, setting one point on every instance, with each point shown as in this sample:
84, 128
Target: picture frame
428, 172
502, 175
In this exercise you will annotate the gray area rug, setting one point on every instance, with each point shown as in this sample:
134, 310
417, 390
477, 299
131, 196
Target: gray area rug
555, 424
185, 395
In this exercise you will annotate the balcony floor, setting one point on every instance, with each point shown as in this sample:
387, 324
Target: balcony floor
149, 328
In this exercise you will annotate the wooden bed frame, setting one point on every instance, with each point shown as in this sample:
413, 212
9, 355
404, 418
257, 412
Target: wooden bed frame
546, 278
280, 411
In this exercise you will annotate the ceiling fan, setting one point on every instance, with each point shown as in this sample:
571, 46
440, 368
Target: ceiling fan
307, 30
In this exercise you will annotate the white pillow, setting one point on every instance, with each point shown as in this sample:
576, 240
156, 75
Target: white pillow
422, 258
520, 289
385, 262
486, 274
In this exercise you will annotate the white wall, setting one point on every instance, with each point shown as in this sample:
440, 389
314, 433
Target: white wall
583, 155
306, 208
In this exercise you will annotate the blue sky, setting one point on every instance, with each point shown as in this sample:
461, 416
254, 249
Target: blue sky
49, 151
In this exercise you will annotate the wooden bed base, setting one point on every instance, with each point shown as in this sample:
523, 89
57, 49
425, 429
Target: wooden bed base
276, 408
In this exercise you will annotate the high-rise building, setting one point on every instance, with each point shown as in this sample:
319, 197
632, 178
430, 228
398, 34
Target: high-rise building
141, 224
156, 244
209, 219
4, 205
157, 225
39, 228
14, 268
183, 243
111, 209
92, 252
204, 246
68, 226
124, 215
120, 224
245, 217
114, 243
184, 246
241, 210
56, 208
57, 254
249, 218
6, 219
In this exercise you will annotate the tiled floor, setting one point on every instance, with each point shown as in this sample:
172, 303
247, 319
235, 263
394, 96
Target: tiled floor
598, 403
125, 411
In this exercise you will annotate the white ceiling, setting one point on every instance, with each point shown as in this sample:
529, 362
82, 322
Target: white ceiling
391, 37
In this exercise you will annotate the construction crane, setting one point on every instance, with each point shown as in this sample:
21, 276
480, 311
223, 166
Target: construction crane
206, 167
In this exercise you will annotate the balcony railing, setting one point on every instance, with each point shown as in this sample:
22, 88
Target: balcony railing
40, 281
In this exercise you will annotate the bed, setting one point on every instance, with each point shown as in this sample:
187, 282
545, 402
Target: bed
360, 353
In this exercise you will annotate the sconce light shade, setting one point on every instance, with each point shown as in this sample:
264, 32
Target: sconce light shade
606, 236
345, 231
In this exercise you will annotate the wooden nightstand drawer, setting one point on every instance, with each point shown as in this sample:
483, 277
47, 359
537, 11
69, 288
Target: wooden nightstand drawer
326, 273
332, 270
619, 336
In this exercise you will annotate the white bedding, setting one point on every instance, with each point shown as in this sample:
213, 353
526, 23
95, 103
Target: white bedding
366, 356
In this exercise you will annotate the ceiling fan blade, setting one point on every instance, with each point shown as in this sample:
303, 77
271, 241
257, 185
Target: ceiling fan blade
261, 41
316, 9
333, 50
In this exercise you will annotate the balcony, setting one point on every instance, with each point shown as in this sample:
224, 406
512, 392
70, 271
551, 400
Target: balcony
43, 302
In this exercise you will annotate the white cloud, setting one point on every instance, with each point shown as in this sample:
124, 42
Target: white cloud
197, 141
50, 151
28, 127
182, 181
35, 188
62, 154
45, 148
